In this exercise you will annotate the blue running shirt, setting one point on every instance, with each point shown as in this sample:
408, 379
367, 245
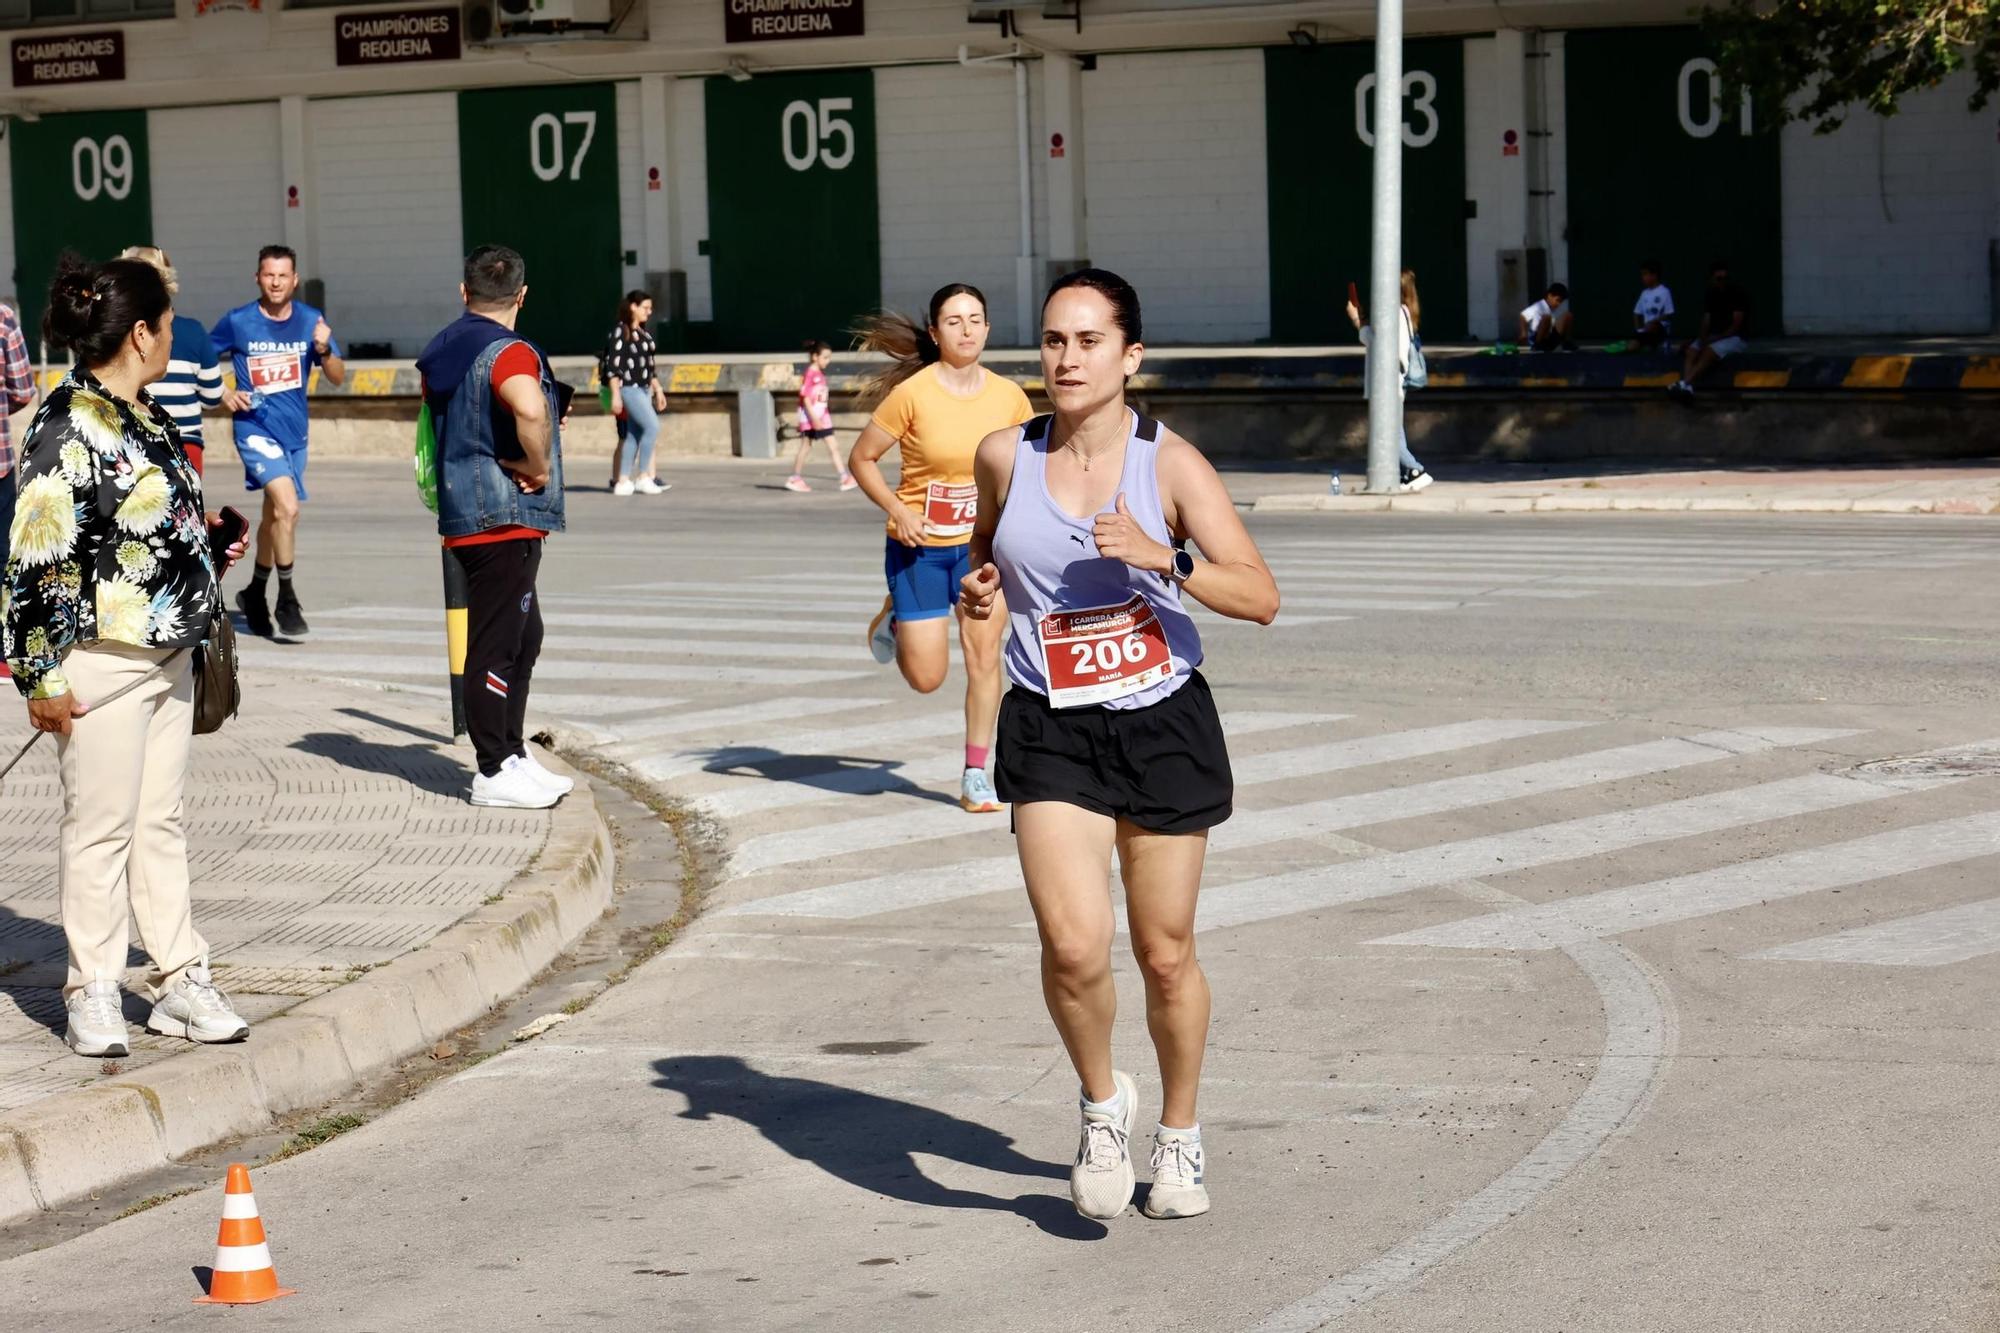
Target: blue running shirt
273, 358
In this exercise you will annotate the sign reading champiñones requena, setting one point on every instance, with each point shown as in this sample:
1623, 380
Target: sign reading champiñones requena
789, 20
74, 57
396, 36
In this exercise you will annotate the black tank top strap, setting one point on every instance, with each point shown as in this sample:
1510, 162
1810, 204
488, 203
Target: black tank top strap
1146, 428
1038, 427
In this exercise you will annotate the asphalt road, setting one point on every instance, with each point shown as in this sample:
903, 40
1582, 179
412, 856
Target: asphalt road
1580, 963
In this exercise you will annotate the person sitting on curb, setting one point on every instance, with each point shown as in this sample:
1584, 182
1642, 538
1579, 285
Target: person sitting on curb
1653, 314
1545, 325
1725, 316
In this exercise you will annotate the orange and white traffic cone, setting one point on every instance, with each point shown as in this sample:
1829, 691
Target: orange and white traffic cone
243, 1273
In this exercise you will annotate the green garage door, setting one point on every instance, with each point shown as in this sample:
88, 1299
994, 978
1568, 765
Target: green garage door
793, 243
1319, 118
538, 170
80, 183
1663, 163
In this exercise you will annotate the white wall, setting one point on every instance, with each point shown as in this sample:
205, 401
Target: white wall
1176, 189
947, 185
391, 242
1887, 222
690, 187
218, 198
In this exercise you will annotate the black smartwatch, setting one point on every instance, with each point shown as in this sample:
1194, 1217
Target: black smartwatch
1183, 568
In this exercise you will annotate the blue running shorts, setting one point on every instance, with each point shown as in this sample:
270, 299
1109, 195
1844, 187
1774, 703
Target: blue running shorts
266, 460
923, 580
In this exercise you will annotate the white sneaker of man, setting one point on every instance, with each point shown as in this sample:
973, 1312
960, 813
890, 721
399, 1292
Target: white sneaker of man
1101, 1183
514, 787
1177, 1189
555, 782
96, 1021
194, 1008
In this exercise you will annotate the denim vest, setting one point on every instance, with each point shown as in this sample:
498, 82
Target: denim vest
476, 494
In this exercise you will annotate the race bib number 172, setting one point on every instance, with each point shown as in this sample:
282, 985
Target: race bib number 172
274, 372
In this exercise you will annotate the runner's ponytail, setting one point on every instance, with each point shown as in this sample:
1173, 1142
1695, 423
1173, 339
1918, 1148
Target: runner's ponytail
908, 344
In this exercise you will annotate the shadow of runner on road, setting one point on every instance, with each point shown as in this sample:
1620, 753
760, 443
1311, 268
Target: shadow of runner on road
778, 766
869, 1141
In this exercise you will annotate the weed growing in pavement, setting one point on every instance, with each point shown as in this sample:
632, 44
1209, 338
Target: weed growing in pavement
491, 899
323, 1130
154, 1201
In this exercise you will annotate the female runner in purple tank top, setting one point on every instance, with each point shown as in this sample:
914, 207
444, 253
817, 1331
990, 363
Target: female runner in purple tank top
1109, 737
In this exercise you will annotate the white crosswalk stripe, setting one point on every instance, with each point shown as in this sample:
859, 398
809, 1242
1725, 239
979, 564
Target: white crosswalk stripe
897, 891
1929, 939
890, 830
1747, 883
554, 666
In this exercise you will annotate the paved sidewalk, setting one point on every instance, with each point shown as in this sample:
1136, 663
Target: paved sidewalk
1489, 489
329, 836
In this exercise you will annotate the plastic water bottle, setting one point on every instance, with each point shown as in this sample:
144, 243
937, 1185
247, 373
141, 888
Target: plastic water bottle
256, 399
1333, 487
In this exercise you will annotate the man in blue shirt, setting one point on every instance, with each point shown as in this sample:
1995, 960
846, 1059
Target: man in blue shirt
273, 343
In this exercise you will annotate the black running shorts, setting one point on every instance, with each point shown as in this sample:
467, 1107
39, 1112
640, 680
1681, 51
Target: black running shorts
1164, 767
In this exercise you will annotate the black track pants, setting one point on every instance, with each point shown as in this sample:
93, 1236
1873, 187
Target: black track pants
503, 639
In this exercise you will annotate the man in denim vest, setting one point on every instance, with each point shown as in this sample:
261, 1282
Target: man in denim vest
497, 411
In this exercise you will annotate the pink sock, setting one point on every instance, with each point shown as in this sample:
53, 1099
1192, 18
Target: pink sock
976, 755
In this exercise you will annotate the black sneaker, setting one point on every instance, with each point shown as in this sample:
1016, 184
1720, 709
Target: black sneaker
1415, 479
291, 619
256, 615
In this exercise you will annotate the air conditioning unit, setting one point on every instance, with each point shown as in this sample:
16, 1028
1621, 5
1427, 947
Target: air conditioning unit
504, 21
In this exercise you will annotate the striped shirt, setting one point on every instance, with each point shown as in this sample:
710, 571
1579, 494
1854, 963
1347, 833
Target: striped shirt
17, 380
193, 379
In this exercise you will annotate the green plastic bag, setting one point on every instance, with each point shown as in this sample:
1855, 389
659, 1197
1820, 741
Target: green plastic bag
426, 458
604, 397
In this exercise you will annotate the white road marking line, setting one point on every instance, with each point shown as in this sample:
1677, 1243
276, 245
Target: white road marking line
601, 648
758, 715
1931, 939
897, 891
792, 623
804, 789
555, 667
1704, 893
860, 835
1524, 849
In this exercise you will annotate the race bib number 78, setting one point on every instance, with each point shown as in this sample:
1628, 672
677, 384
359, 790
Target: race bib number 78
949, 510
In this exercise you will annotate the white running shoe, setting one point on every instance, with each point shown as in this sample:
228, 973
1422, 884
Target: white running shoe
882, 634
847, 481
194, 1008
976, 794
512, 788
797, 483
653, 486
555, 782
1100, 1184
624, 487
1177, 1189
96, 1022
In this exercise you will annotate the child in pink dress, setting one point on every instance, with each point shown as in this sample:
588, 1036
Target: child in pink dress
815, 420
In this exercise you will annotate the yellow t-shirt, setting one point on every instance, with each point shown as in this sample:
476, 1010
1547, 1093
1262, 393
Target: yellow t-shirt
939, 433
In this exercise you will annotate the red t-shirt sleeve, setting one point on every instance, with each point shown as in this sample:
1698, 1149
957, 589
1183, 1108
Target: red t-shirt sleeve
517, 359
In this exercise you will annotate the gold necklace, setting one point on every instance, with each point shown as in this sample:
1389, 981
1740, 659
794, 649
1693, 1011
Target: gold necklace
1081, 456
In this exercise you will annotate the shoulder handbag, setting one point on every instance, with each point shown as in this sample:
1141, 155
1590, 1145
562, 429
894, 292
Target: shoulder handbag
1418, 375
217, 694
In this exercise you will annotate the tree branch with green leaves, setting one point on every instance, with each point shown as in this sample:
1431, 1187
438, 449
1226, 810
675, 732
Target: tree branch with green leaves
1815, 60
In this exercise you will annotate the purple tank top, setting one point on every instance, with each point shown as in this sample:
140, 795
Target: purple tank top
1095, 622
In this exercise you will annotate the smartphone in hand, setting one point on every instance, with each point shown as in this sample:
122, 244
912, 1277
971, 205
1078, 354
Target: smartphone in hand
233, 529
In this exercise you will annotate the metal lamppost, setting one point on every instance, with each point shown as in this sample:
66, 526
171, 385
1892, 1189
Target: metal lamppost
1385, 268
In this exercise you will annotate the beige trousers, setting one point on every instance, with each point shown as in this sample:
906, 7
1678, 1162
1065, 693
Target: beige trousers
124, 766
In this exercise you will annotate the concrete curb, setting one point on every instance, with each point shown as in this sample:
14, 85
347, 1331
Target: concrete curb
1570, 502
64, 1147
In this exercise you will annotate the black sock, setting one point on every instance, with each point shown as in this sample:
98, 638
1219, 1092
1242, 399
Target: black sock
259, 575
284, 578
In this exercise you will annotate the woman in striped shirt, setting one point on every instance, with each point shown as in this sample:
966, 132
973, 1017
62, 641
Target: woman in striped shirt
193, 380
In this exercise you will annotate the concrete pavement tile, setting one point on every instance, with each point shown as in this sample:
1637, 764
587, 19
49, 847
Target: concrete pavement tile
298, 1061
1811, 504
1729, 504
1571, 502
87, 1139
1890, 506
17, 1189
201, 1097
1667, 503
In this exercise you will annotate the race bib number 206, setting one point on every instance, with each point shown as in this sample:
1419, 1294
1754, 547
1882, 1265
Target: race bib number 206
1104, 653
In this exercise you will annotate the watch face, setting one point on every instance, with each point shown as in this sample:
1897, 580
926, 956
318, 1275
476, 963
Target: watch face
1183, 564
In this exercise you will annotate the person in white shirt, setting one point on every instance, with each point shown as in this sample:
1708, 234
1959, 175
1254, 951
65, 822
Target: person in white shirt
1653, 315
1545, 325
1414, 476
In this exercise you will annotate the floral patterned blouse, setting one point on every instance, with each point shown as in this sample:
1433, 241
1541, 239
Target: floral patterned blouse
109, 541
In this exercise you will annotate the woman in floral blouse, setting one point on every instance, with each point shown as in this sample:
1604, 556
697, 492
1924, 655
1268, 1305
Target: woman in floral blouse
111, 584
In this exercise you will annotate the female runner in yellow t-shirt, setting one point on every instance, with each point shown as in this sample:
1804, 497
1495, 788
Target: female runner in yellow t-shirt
939, 404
